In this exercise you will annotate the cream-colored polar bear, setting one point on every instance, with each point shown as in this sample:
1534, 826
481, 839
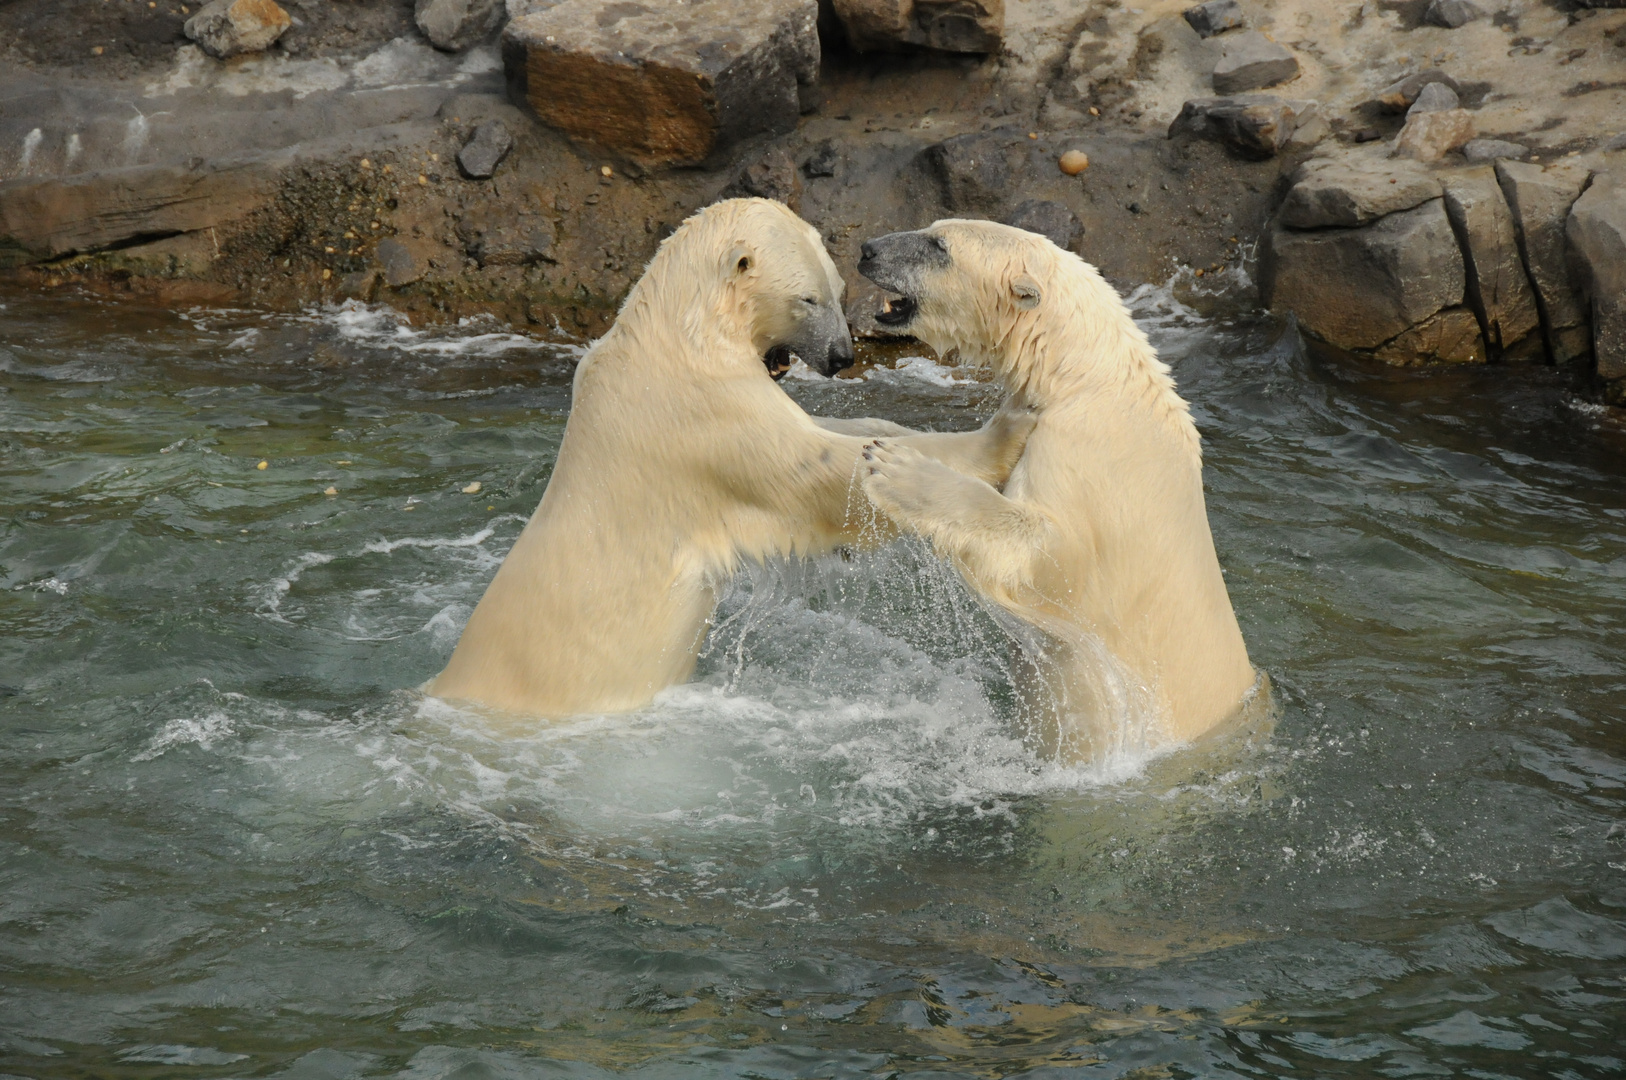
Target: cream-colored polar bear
681, 458
1099, 540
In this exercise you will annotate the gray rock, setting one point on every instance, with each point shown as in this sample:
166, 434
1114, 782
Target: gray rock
1482, 151
400, 265
1360, 288
772, 176
1214, 17
663, 85
1452, 13
823, 160
1051, 220
1400, 96
1498, 290
225, 28
1540, 200
1450, 336
975, 172
1435, 97
454, 25
1352, 191
485, 150
499, 236
1597, 235
1255, 126
1251, 61
961, 26
1429, 136
1614, 142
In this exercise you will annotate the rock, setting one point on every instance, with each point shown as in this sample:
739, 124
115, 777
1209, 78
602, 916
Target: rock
974, 172
662, 84
1597, 235
1400, 96
1351, 191
361, 285
823, 160
47, 218
772, 176
1214, 17
1251, 61
1451, 336
1498, 290
1540, 200
400, 265
1051, 220
961, 26
1487, 150
1361, 288
454, 25
485, 150
497, 236
1073, 162
1255, 126
225, 28
1435, 97
1429, 136
1452, 13
1311, 127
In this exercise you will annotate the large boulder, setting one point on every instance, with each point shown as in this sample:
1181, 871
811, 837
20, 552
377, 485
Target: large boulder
1255, 126
665, 84
1353, 190
1540, 200
454, 25
1597, 236
1498, 290
1362, 288
962, 26
1251, 61
225, 28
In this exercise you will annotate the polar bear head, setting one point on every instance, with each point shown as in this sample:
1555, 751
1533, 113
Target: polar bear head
763, 275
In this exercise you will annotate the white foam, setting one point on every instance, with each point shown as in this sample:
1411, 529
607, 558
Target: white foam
202, 731
918, 369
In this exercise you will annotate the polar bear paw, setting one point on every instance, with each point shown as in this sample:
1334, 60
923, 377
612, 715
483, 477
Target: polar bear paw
906, 485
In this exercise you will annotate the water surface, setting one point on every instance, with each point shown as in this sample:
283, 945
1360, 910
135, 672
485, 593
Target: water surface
236, 841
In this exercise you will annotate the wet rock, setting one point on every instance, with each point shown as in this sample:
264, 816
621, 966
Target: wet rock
1429, 136
1498, 290
772, 176
1362, 288
1255, 126
1214, 17
961, 26
1435, 97
823, 160
1400, 96
1051, 220
501, 237
401, 266
1251, 61
361, 285
485, 150
974, 172
662, 84
1488, 150
454, 25
1452, 13
1540, 200
1596, 231
48, 218
1451, 336
1352, 191
228, 27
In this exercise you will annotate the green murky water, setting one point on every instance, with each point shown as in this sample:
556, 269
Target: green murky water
234, 840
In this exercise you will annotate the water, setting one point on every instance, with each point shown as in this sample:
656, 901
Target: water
235, 840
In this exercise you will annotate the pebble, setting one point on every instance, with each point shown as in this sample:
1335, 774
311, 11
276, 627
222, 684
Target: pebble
1074, 162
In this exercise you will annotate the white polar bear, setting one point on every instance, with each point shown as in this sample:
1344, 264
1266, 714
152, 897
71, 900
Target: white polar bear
1100, 538
681, 458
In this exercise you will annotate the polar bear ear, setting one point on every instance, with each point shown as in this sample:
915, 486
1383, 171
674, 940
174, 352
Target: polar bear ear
738, 262
1026, 291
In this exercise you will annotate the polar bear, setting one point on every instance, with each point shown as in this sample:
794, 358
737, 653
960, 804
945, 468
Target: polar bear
681, 459
1099, 542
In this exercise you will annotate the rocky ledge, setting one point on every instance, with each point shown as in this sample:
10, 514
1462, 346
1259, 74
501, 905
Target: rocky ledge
1421, 181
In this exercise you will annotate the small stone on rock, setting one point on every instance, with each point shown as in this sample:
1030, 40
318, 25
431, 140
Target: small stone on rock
1429, 136
1484, 150
1250, 61
1214, 17
1435, 97
1051, 220
485, 150
1452, 13
225, 28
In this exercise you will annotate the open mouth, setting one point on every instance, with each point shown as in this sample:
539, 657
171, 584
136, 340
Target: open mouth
778, 361
897, 312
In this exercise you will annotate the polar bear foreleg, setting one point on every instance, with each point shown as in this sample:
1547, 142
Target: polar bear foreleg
989, 453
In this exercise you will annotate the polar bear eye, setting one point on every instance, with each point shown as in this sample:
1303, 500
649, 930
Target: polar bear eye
810, 301
939, 242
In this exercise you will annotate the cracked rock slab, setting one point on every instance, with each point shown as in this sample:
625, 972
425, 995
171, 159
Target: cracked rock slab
1540, 200
1596, 230
665, 83
958, 26
1346, 192
1447, 337
1498, 290
1251, 61
1361, 288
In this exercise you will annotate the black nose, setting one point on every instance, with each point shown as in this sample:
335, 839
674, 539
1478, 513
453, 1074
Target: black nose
867, 251
840, 357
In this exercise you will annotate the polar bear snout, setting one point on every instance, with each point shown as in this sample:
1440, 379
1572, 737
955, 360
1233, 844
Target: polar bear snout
898, 262
822, 340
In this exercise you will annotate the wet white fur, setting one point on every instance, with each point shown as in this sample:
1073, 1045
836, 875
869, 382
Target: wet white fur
681, 458
1100, 538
